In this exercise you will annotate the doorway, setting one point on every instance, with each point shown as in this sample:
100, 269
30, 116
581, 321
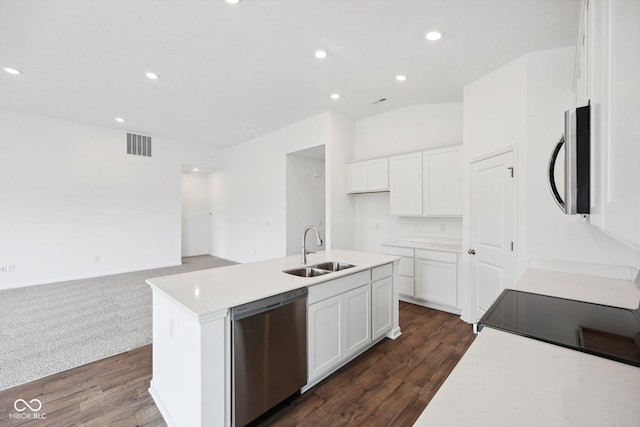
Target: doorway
195, 213
492, 255
306, 200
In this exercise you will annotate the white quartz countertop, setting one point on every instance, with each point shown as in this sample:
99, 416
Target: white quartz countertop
508, 380
433, 246
599, 290
218, 289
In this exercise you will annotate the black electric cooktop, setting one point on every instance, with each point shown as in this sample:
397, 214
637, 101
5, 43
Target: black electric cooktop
601, 330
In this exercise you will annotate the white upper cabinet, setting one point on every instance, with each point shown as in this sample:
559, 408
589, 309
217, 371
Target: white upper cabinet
442, 182
368, 176
612, 68
427, 183
406, 184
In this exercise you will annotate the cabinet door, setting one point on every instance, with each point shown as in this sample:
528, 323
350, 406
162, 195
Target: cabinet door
382, 299
378, 175
436, 281
326, 340
357, 304
442, 185
406, 184
357, 176
615, 108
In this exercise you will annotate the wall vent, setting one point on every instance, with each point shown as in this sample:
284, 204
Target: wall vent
138, 145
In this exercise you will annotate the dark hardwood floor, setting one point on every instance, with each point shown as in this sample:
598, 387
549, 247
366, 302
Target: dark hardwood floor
390, 384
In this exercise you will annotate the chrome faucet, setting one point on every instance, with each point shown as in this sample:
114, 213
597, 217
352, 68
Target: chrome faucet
304, 243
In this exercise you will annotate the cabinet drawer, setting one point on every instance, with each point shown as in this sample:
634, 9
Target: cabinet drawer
437, 255
381, 272
405, 267
397, 251
404, 285
338, 286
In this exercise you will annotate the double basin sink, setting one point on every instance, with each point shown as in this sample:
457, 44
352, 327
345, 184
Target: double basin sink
319, 269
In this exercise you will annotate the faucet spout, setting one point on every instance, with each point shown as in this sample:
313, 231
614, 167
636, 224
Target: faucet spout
304, 243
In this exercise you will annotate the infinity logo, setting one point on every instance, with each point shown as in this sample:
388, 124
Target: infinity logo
26, 405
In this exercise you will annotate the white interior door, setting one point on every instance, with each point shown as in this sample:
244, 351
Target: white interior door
492, 224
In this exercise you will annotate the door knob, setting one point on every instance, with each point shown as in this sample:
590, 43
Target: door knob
471, 251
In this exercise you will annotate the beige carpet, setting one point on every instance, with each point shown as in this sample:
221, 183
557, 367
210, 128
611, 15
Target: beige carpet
50, 328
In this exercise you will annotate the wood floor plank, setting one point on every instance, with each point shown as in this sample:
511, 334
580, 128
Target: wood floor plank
389, 384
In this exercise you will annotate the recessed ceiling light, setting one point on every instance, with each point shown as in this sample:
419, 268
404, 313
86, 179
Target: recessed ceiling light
232, 1
120, 119
401, 78
194, 170
152, 76
434, 35
13, 71
321, 54
335, 96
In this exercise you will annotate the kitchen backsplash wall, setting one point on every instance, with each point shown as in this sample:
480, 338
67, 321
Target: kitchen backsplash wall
374, 224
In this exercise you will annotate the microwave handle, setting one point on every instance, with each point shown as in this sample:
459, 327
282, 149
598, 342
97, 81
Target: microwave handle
552, 180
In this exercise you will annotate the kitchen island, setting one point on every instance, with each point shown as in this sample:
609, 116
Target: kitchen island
191, 382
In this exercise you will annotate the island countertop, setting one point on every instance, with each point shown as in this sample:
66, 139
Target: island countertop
213, 290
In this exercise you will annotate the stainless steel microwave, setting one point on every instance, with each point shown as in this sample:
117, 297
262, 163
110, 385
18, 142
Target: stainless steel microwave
577, 158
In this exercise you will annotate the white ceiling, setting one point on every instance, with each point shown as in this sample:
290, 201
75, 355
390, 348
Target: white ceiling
227, 68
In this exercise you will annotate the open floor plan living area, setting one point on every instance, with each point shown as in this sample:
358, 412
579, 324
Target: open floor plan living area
227, 213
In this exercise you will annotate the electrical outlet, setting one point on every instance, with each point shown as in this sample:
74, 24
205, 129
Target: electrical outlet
12, 267
97, 259
4, 268
414, 227
443, 227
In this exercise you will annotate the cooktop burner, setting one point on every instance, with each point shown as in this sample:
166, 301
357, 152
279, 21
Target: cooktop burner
605, 331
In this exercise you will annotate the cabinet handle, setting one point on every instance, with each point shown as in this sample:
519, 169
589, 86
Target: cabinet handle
471, 251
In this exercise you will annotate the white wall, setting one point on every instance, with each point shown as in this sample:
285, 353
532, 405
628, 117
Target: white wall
521, 105
249, 196
412, 128
340, 207
306, 201
196, 234
70, 193
417, 127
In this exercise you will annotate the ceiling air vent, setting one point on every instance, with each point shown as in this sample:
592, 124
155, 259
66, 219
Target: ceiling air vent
138, 145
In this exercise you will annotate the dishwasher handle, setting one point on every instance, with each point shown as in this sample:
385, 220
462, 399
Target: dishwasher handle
266, 304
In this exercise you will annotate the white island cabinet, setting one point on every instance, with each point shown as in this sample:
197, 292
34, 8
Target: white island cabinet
347, 314
345, 317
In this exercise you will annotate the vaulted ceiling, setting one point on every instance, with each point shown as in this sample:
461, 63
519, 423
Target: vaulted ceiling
228, 73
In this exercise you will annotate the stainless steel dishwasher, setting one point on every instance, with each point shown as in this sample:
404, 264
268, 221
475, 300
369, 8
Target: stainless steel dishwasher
268, 352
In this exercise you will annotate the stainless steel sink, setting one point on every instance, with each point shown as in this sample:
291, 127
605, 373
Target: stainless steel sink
333, 266
307, 271
319, 269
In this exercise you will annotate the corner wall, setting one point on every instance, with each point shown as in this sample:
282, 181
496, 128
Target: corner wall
249, 196
522, 105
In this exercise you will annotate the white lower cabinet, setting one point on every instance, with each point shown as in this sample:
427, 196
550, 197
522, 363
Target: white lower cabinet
326, 347
437, 277
403, 281
345, 316
357, 308
382, 297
